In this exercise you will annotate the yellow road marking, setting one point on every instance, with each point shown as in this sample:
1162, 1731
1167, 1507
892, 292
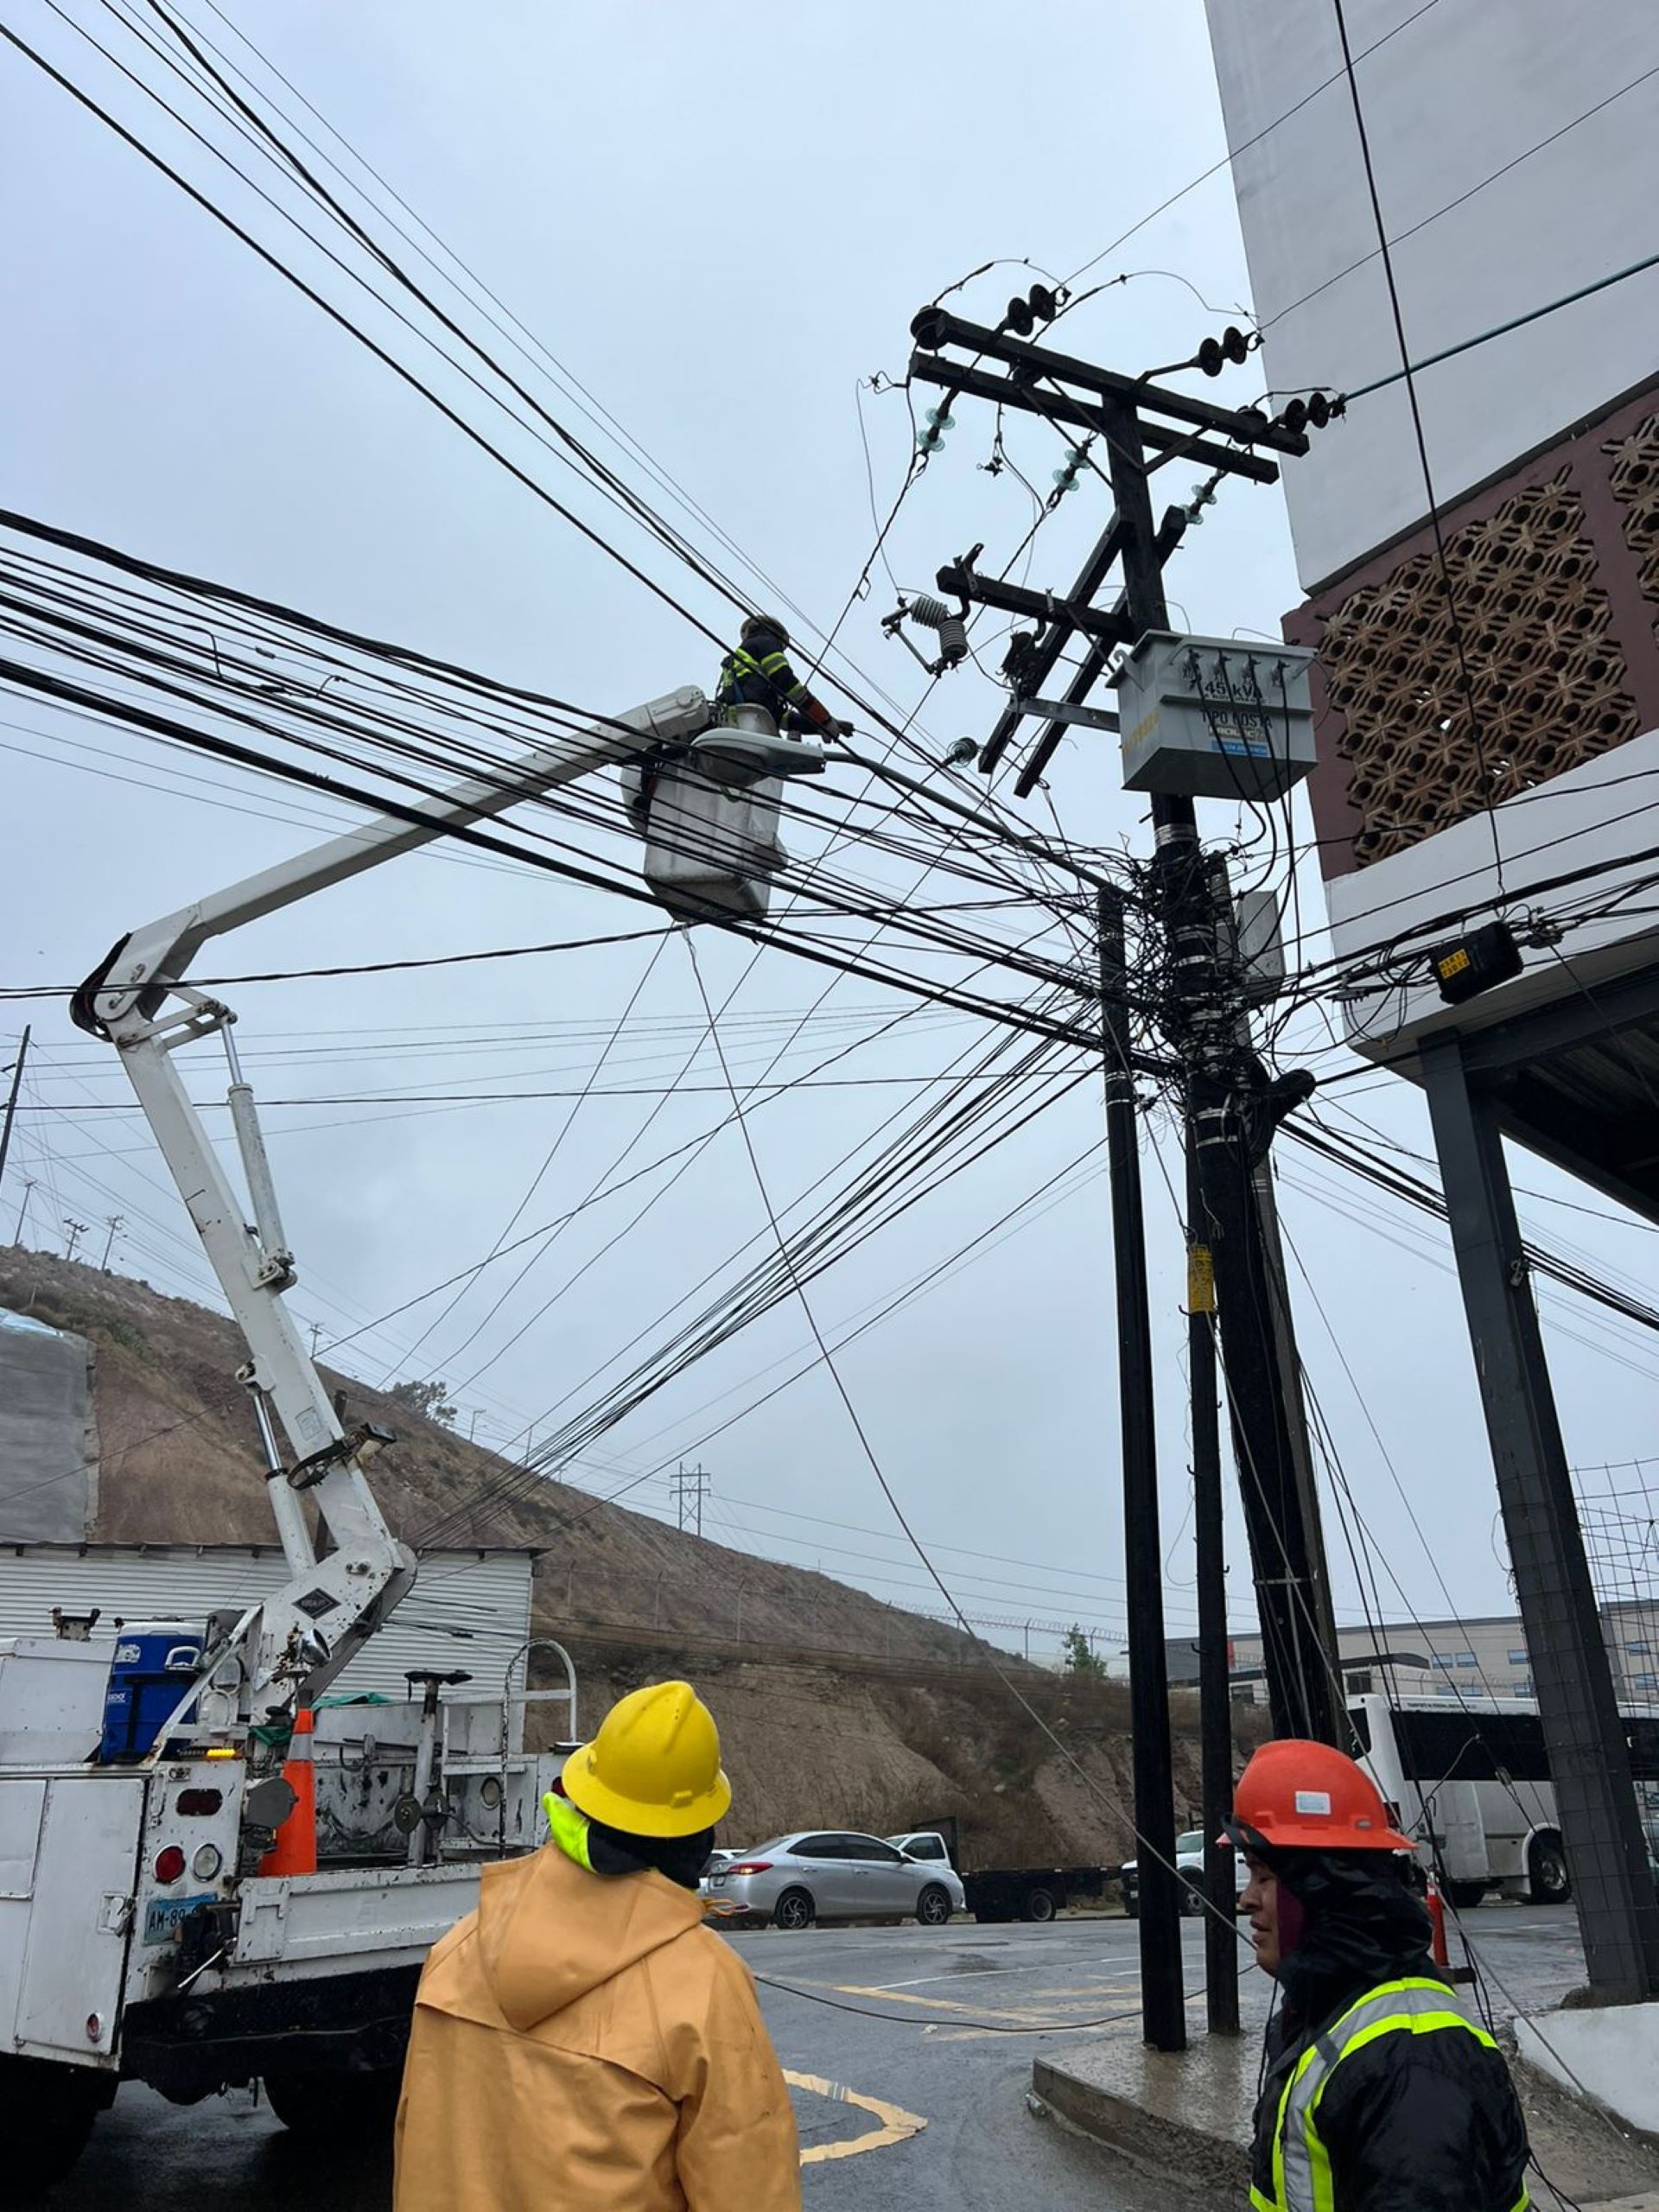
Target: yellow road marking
897, 2125
938, 2004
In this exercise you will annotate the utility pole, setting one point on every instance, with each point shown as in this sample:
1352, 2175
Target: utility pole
1215, 1675
76, 1230
1163, 2014
11, 1104
30, 1182
1231, 1106
115, 1222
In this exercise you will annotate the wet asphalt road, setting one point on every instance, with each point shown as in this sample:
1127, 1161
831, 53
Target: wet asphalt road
923, 2110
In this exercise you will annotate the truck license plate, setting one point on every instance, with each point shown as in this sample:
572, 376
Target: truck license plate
163, 1915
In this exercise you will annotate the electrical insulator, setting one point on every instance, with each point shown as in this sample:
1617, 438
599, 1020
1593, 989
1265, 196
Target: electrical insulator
1019, 318
930, 613
1204, 495
1214, 353
1318, 410
939, 419
1043, 303
1066, 478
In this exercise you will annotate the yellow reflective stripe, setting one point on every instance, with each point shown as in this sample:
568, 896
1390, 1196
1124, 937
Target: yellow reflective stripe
1410, 2024
1281, 2128
773, 662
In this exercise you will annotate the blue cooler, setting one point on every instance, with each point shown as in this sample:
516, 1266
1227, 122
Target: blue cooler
153, 1663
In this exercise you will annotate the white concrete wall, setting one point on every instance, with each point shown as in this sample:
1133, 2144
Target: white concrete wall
1596, 816
1612, 2053
1450, 99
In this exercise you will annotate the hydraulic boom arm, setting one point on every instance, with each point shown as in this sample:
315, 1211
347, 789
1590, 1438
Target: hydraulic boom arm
312, 1627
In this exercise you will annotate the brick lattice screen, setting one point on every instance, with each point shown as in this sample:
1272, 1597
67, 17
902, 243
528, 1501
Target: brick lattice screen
1633, 476
1555, 580
1545, 672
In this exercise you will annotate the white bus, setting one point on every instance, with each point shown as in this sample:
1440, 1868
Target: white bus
1470, 1780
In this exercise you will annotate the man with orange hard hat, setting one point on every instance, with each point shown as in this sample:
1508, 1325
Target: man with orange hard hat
1380, 2094
583, 2042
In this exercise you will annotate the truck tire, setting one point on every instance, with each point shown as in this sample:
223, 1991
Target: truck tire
1131, 1907
1039, 1904
1547, 1878
933, 1906
794, 1909
46, 2113
337, 2106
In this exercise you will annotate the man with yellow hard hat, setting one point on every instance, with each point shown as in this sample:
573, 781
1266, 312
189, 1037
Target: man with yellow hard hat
583, 2040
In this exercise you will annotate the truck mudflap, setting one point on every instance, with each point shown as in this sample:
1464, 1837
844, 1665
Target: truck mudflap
190, 2046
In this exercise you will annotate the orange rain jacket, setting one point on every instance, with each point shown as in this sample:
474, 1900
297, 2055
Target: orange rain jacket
584, 2042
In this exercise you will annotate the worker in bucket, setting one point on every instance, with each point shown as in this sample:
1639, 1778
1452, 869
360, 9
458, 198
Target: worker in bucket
1380, 2094
758, 675
583, 2042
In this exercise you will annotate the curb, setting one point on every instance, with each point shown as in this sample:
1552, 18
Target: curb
1168, 2148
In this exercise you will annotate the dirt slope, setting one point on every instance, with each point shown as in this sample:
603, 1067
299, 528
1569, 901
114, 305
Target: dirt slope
834, 1708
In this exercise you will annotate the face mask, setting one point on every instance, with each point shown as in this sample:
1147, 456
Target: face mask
1292, 1922
570, 1829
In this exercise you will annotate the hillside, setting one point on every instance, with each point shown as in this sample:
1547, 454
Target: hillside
834, 1708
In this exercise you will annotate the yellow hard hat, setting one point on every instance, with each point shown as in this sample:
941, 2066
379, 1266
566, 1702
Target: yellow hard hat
654, 1767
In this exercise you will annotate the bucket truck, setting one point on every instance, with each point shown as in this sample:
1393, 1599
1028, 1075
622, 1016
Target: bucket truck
147, 1930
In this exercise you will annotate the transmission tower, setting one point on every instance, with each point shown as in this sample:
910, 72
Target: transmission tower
690, 1486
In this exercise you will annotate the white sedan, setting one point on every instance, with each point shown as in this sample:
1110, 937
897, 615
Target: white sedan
831, 1874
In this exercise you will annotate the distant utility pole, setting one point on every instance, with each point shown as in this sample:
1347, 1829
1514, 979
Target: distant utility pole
315, 1327
76, 1230
1231, 1106
11, 1106
690, 1486
30, 1184
115, 1222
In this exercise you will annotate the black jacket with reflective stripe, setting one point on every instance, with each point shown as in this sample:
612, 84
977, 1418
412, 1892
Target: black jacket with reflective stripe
758, 674
1412, 2123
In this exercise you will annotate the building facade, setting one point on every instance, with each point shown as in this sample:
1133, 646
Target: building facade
1485, 1657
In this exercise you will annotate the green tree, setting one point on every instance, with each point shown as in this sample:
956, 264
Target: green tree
430, 1400
1078, 1658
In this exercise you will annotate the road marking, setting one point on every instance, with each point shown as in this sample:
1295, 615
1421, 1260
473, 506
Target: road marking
897, 2125
964, 1973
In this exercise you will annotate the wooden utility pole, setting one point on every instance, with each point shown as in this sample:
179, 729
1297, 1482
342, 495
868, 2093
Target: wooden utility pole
1230, 1105
11, 1108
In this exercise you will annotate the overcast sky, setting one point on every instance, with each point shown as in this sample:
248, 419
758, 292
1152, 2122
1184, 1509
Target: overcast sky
719, 220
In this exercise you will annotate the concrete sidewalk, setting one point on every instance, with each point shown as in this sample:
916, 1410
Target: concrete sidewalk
1188, 2116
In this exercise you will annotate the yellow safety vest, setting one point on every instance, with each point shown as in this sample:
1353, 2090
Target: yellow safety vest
1301, 2163
772, 667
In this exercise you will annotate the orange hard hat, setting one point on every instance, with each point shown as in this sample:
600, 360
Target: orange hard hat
1305, 1797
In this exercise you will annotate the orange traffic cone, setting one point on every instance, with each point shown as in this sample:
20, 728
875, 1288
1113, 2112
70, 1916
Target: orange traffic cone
1437, 1921
293, 1847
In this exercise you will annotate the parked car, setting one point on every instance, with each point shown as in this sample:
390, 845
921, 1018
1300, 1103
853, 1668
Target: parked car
1189, 1861
832, 1874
